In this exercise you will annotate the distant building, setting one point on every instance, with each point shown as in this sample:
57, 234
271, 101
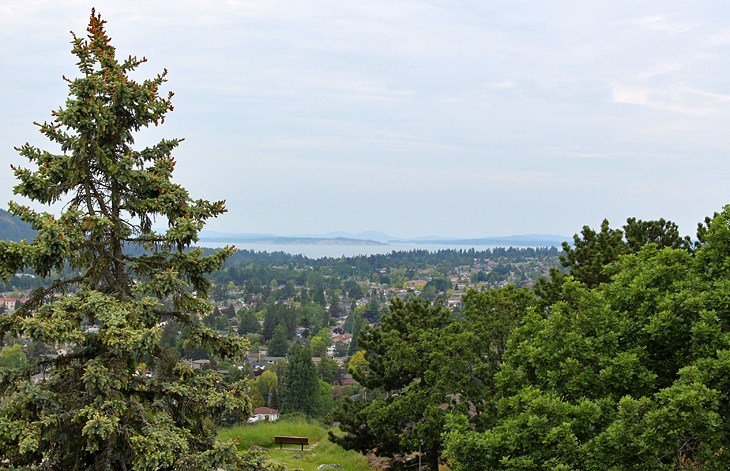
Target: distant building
9, 303
198, 364
417, 284
264, 413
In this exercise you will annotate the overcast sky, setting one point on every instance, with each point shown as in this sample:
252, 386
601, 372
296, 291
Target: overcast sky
457, 118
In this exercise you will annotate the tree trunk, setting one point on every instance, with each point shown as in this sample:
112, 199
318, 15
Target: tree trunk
431, 461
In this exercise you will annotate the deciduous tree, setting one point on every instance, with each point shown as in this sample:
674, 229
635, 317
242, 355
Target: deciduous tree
631, 374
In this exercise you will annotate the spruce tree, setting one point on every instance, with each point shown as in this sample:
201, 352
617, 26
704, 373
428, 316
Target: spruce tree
93, 409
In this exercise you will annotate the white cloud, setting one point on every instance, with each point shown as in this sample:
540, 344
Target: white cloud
506, 85
674, 98
495, 109
666, 24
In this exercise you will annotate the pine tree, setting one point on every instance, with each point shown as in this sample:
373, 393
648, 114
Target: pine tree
93, 410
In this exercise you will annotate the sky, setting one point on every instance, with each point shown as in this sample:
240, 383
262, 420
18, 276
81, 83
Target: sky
414, 118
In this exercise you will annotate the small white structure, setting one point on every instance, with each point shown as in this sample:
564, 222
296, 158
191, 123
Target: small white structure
264, 413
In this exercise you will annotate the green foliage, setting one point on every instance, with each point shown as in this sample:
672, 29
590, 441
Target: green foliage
279, 314
357, 364
340, 349
419, 365
439, 284
372, 311
352, 289
324, 401
13, 357
405, 410
266, 384
661, 232
358, 324
318, 295
333, 310
632, 374
621, 363
279, 343
94, 410
249, 323
300, 386
328, 370
320, 342
592, 251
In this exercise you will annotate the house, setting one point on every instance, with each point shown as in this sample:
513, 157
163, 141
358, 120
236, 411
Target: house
348, 380
198, 364
264, 413
454, 300
343, 338
417, 284
9, 303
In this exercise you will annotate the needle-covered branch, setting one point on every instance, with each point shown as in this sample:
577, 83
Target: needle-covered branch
92, 409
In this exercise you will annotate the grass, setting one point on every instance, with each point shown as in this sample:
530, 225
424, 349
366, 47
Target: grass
319, 451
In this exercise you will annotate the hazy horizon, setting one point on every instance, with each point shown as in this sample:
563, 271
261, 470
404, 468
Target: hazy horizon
455, 119
371, 235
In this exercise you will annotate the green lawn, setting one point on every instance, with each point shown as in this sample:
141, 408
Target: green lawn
319, 451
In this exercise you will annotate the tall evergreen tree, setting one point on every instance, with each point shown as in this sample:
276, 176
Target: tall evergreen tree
318, 295
300, 386
279, 343
92, 410
372, 311
357, 325
333, 310
249, 323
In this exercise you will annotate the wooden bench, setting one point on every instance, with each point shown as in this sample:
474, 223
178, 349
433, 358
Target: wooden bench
281, 441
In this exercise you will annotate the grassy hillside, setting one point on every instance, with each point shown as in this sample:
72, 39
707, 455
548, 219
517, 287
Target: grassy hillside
12, 228
320, 449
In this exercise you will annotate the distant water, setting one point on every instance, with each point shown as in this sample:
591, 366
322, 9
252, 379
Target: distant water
336, 251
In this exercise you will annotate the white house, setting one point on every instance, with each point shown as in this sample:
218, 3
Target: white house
264, 413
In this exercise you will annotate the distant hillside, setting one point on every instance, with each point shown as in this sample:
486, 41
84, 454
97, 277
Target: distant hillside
523, 240
272, 239
379, 238
12, 228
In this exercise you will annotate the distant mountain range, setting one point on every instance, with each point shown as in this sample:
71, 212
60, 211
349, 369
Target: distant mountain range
379, 238
12, 228
521, 240
279, 240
